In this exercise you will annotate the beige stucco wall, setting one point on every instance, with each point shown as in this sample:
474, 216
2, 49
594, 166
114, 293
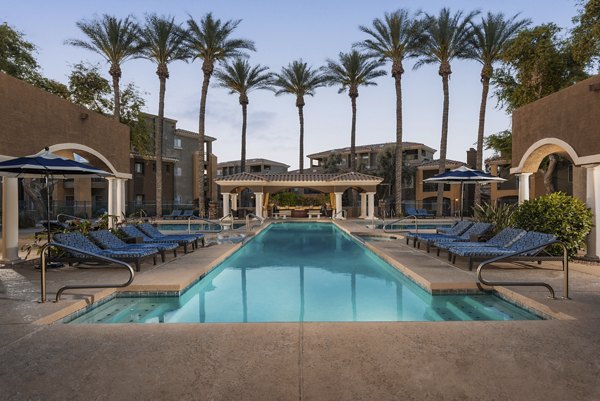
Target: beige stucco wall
32, 118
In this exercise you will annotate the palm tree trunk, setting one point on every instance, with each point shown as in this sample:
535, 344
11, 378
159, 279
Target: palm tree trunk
399, 163
443, 143
301, 117
353, 135
201, 119
158, 137
115, 73
244, 119
485, 81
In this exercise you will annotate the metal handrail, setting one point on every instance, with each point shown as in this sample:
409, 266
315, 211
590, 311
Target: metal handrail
73, 287
206, 220
342, 212
412, 216
254, 217
228, 215
565, 262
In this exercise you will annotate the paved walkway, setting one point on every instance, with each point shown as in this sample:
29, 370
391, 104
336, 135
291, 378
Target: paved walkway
527, 360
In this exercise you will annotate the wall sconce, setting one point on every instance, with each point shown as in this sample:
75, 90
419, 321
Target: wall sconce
83, 116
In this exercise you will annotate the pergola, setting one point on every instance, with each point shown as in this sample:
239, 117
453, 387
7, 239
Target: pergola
264, 184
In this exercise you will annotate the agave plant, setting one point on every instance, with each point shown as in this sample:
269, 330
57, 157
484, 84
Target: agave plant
500, 216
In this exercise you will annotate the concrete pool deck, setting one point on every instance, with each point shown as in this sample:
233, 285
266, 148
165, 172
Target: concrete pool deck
517, 360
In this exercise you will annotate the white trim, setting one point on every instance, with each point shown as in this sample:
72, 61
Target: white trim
77, 146
577, 160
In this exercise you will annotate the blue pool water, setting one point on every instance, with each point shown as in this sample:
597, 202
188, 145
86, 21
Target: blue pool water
303, 272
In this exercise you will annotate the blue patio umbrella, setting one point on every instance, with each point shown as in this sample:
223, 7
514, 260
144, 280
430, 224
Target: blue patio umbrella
48, 165
463, 175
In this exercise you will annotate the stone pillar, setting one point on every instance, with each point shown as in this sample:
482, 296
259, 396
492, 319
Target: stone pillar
523, 187
593, 202
371, 205
363, 205
234, 201
225, 203
10, 220
258, 197
338, 204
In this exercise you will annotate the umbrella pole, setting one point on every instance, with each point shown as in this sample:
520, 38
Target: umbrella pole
462, 191
48, 207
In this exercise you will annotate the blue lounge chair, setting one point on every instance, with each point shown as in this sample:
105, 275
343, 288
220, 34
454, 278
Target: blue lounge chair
425, 213
476, 230
77, 240
410, 211
108, 240
502, 239
529, 240
175, 213
134, 232
154, 233
456, 230
187, 214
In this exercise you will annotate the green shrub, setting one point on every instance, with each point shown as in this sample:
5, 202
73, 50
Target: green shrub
500, 216
559, 214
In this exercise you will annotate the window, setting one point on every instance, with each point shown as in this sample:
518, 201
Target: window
139, 200
153, 167
167, 168
178, 172
177, 144
139, 168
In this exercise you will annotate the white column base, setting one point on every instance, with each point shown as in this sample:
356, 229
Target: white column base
593, 202
338, 205
363, 205
259, 200
10, 220
370, 205
225, 203
523, 187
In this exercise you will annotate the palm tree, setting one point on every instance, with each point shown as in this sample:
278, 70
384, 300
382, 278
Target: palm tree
354, 69
489, 40
393, 39
445, 38
210, 42
116, 40
241, 78
161, 41
299, 79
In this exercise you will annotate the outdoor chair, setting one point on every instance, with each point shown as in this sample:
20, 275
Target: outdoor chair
444, 229
411, 211
502, 239
475, 231
154, 233
187, 214
456, 230
175, 213
107, 240
135, 232
425, 213
77, 240
531, 239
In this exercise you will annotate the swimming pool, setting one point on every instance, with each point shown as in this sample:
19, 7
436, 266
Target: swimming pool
304, 272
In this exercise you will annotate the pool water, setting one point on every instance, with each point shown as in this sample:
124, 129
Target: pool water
304, 272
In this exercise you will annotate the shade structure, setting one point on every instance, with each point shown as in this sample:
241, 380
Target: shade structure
463, 175
48, 165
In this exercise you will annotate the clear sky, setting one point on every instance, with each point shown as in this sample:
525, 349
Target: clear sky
283, 31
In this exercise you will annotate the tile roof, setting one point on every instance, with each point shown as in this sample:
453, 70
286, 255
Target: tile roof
250, 162
437, 163
306, 177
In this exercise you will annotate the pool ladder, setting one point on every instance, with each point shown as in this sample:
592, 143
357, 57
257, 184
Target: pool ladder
565, 264
386, 227
44, 253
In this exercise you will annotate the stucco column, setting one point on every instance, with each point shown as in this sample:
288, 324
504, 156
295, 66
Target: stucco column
120, 198
10, 220
523, 187
112, 200
234, 201
593, 202
259, 200
363, 205
370, 205
225, 203
338, 204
